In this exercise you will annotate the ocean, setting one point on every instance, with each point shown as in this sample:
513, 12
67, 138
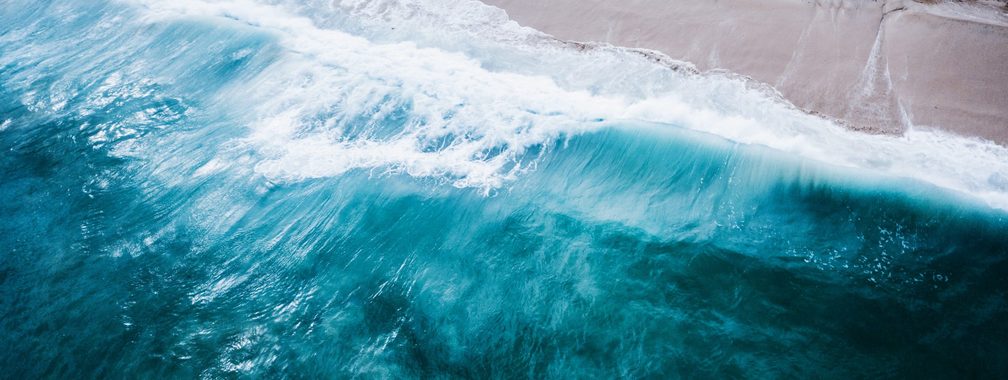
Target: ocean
425, 189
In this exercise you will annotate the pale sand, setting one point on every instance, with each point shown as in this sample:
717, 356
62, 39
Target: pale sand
880, 66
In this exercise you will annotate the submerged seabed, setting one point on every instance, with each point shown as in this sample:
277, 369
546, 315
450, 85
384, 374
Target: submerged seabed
423, 189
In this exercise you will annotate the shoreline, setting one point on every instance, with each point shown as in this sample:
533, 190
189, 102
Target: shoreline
877, 67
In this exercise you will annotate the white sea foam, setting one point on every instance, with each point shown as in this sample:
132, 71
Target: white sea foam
469, 98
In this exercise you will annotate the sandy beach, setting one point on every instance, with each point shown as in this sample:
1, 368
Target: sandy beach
877, 66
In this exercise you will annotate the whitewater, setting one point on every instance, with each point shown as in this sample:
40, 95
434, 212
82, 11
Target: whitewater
422, 188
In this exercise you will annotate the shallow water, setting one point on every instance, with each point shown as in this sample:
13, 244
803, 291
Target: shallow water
297, 189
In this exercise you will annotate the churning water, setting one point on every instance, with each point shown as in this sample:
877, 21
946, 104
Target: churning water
420, 188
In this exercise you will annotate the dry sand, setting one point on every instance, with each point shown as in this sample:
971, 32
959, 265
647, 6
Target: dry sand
880, 66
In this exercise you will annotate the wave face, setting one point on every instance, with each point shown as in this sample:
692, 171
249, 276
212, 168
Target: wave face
412, 188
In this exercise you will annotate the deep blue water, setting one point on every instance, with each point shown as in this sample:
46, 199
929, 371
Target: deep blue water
144, 233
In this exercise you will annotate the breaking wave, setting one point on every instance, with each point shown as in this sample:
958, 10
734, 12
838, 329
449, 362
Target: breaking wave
414, 188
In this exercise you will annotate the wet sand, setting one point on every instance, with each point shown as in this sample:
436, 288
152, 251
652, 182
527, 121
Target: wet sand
877, 66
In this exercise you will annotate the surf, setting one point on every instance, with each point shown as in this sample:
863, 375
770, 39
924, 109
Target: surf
301, 105
416, 188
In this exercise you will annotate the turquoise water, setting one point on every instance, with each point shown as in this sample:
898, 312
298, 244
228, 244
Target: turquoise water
195, 192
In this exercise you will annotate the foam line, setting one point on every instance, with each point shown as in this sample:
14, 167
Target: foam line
461, 118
